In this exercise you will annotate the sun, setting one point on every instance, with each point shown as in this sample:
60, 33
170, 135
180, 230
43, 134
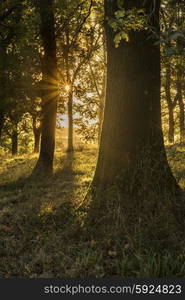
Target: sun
67, 87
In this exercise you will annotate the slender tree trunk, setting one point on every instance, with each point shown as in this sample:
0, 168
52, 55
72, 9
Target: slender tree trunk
181, 105
37, 134
70, 147
3, 62
1, 122
171, 123
49, 89
14, 138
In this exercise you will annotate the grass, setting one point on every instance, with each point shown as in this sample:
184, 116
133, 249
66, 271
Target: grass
41, 230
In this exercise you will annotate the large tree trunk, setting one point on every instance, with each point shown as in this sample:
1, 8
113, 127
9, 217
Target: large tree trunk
132, 163
171, 123
49, 89
70, 147
14, 138
132, 123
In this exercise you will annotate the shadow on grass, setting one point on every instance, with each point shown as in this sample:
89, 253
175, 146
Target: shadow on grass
66, 172
42, 196
36, 205
42, 237
17, 174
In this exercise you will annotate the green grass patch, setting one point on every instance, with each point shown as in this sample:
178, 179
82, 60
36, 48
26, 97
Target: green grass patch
42, 232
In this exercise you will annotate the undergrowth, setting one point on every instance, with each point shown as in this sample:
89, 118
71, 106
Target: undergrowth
42, 233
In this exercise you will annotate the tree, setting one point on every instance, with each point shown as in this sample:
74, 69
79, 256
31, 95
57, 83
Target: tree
49, 88
90, 92
132, 161
173, 42
9, 23
80, 40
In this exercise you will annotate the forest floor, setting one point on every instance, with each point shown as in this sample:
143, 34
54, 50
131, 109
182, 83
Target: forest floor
38, 236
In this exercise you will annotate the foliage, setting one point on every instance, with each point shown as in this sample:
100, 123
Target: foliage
126, 21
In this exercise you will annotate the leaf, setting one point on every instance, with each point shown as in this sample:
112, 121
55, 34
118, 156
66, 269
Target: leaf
119, 37
170, 51
176, 35
120, 13
113, 24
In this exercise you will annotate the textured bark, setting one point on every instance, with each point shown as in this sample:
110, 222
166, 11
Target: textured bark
49, 89
171, 123
132, 128
133, 187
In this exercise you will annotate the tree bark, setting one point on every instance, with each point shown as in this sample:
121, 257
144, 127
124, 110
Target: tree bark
70, 147
1, 122
132, 181
49, 89
181, 104
14, 138
3, 62
171, 123
37, 134
132, 119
